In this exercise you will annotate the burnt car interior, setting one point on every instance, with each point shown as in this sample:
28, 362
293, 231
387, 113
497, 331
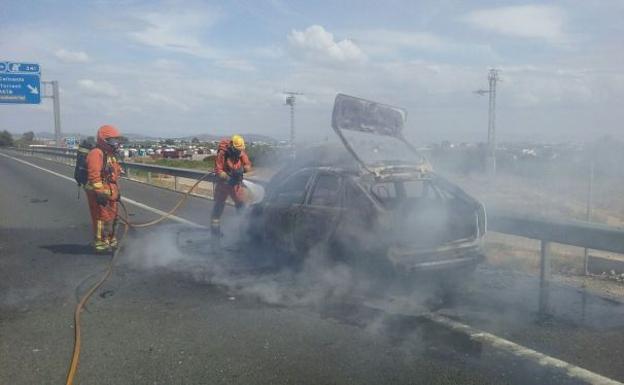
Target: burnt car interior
431, 215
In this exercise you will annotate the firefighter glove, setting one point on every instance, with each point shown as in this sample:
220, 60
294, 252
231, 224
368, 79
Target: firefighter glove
236, 177
238, 173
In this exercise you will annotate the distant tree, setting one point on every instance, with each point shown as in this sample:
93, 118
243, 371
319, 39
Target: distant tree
6, 139
28, 137
169, 142
195, 140
123, 139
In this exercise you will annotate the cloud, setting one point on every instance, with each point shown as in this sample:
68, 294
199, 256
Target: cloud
98, 88
236, 64
177, 31
385, 43
72, 56
168, 65
317, 44
384, 40
525, 21
166, 101
271, 52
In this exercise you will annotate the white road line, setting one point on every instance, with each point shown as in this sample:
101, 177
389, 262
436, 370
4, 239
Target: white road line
521, 351
127, 200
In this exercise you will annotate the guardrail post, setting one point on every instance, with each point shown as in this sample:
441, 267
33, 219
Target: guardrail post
149, 177
175, 183
544, 262
545, 265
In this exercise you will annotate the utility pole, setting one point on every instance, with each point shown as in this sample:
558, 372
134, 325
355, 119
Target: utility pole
491, 149
291, 101
57, 109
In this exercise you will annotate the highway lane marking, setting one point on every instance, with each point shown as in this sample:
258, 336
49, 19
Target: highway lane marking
496, 342
127, 200
507, 346
520, 351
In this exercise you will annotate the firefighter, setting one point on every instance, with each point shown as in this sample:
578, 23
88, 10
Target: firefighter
231, 163
103, 172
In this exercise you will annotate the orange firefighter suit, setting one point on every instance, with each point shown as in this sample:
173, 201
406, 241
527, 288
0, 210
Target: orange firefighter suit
102, 190
231, 162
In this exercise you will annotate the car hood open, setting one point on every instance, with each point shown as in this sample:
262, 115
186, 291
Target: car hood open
373, 134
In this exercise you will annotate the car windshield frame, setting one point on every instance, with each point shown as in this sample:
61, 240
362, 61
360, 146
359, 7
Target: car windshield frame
311, 174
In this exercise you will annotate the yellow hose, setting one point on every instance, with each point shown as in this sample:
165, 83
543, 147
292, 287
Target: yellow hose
73, 366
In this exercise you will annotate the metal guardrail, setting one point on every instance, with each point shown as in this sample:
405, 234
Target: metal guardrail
547, 231
570, 232
70, 154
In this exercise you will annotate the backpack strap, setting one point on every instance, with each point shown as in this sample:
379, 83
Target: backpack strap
104, 163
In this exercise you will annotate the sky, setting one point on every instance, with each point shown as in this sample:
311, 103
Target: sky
178, 68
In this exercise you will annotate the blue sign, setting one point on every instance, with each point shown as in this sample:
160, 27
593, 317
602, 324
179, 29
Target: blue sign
20, 83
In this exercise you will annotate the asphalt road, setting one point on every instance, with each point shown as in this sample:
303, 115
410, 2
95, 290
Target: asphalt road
175, 312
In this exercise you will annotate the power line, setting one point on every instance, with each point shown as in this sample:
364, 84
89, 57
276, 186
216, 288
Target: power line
491, 149
291, 100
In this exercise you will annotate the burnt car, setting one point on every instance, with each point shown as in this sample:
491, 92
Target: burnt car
380, 206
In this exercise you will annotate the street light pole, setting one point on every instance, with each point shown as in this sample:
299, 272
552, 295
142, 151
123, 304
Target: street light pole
491, 149
291, 101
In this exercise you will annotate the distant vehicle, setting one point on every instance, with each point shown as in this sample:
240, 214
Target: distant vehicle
172, 153
381, 206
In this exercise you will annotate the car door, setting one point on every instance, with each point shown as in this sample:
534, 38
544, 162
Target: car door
317, 219
282, 207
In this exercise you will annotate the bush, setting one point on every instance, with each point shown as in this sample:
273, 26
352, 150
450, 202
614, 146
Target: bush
6, 139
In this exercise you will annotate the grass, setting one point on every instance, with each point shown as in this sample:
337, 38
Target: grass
181, 163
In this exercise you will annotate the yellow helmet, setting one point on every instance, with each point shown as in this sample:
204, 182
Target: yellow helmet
238, 142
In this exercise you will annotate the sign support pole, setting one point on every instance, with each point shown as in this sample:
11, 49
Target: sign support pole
56, 104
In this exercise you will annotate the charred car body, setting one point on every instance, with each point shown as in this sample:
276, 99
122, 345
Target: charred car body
379, 207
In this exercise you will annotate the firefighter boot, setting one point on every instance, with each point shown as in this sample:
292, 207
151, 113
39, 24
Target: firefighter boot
215, 231
215, 228
100, 243
100, 246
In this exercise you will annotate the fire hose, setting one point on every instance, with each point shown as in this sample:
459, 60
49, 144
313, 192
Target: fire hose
73, 366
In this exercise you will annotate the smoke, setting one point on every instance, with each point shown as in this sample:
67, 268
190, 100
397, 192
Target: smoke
543, 179
337, 280
241, 267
